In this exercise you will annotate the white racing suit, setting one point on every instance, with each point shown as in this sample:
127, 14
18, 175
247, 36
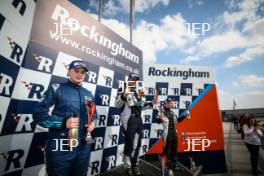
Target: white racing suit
132, 122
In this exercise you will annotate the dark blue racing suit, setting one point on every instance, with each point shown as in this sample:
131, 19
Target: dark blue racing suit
68, 99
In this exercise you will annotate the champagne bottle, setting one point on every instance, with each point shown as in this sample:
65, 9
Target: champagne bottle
192, 165
73, 135
129, 97
188, 116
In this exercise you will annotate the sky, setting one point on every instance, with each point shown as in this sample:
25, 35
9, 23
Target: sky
227, 35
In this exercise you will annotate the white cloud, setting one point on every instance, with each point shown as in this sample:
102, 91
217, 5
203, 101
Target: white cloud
248, 55
247, 91
244, 100
254, 26
112, 7
171, 33
250, 37
215, 44
232, 4
143, 5
93, 4
254, 32
199, 3
225, 102
247, 10
250, 99
190, 59
149, 40
192, 3
244, 95
235, 84
252, 93
252, 80
224, 98
222, 92
120, 28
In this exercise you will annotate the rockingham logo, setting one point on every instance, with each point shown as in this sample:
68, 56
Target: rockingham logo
17, 51
6, 82
13, 160
44, 63
2, 21
35, 90
68, 25
111, 161
173, 72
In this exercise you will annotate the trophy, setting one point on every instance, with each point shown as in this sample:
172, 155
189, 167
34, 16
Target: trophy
141, 93
90, 113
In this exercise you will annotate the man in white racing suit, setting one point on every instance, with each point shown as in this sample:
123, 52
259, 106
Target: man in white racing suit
131, 104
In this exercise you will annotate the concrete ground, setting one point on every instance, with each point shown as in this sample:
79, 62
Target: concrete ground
237, 158
237, 155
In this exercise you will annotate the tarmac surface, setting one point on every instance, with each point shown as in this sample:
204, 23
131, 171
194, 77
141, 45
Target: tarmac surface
237, 155
237, 159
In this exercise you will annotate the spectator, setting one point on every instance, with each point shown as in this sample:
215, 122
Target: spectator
252, 135
235, 122
243, 120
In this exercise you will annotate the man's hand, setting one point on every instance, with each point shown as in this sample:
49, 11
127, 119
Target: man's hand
90, 127
161, 117
125, 93
161, 114
72, 123
155, 98
256, 128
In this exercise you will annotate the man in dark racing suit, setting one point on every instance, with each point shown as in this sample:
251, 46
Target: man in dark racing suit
70, 101
131, 105
169, 120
